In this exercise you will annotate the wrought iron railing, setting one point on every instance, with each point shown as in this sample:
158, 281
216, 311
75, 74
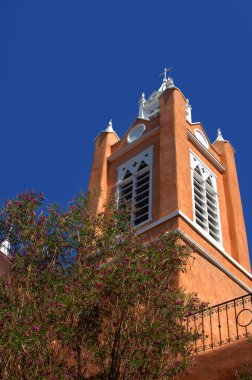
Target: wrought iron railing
221, 324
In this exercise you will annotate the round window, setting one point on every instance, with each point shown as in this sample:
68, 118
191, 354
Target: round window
201, 137
135, 133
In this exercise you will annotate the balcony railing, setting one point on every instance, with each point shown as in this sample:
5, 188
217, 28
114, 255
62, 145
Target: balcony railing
221, 324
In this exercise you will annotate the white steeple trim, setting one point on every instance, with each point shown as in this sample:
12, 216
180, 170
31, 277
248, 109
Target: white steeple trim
219, 136
188, 111
108, 130
5, 247
142, 101
109, 127
170, 83
133, 164
150, 108
167, 83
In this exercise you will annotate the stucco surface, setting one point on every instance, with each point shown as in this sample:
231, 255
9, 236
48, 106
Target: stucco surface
221, 363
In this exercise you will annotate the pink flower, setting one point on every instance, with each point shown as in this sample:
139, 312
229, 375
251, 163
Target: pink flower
147, 271
36, 328
98, 285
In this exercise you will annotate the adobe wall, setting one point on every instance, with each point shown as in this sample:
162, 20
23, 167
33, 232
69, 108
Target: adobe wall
208, 281
221, 363
189, 230
5, 264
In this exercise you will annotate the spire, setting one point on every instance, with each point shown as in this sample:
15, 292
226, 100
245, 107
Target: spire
188, 111
108, 130
142, 101
219, 136
109, 127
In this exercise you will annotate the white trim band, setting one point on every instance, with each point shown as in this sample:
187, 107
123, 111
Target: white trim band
127, 148
217, 164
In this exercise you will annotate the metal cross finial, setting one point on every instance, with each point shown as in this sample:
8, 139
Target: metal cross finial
166, 70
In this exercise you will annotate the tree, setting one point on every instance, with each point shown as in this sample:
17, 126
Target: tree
88, 298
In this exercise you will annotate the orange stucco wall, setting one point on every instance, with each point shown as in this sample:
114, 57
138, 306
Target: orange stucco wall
221, 363
211, 283
5, 264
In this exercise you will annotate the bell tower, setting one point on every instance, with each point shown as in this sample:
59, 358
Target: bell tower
177, 180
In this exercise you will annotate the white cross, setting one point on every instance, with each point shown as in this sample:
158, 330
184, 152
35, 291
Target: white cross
166, 70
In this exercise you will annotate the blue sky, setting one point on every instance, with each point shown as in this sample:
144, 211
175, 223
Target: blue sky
67, 67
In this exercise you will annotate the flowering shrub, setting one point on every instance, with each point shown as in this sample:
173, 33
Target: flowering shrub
244, 374
87, 298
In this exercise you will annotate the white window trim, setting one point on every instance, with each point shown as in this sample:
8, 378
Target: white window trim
206, 145
147, 157
192, 166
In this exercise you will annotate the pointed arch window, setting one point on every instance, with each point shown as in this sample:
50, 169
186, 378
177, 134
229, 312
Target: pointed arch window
135, 186
205, 198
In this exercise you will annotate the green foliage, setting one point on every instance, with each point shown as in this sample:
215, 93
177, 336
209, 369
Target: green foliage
87, 298
244, 374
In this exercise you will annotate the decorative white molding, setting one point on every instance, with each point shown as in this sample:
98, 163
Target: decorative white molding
135, 133
133, 163
157, 222
201, 137
206, 172
217, 164
188, 111
208, 238
135, 143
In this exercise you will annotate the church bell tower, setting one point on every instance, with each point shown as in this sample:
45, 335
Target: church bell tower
177, 180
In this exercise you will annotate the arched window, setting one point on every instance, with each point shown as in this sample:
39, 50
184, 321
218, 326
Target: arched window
205, 196
134, 186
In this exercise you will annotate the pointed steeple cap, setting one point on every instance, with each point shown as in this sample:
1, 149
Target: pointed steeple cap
218, 143
142, 99
109, 127
219, 136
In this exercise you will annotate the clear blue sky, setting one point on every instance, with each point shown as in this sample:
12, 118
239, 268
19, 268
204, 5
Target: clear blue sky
67, 67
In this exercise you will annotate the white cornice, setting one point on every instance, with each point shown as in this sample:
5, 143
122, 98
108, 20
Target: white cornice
157, 222
132, 145
205, 152
204, 235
